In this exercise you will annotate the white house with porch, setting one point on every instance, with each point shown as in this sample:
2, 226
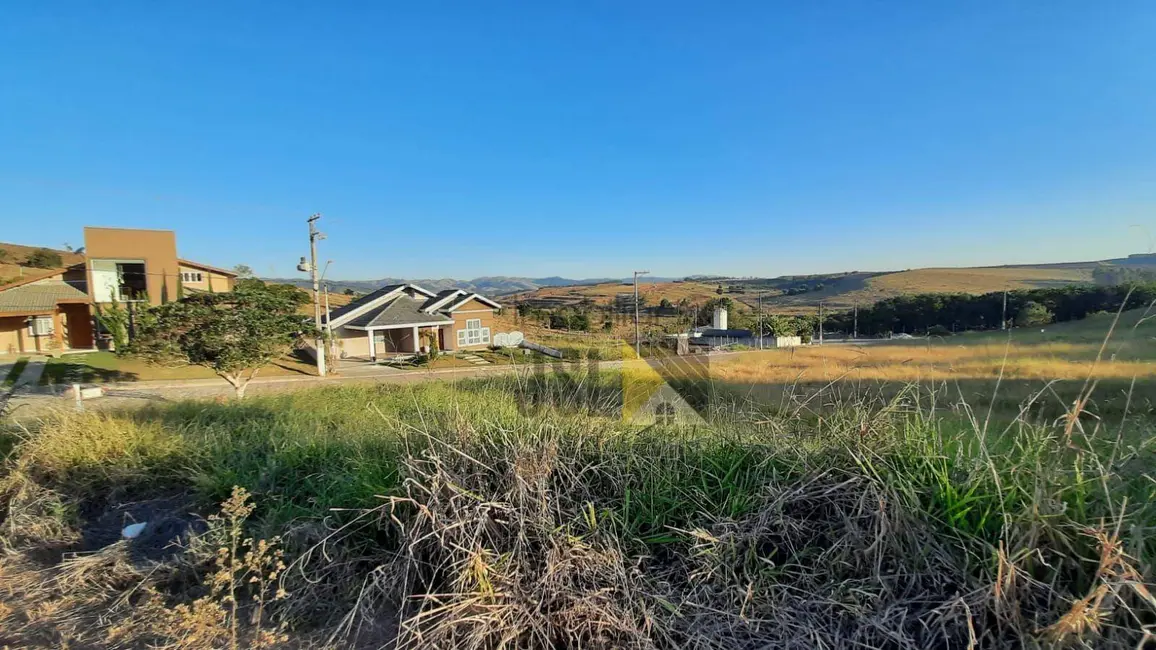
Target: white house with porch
403, 319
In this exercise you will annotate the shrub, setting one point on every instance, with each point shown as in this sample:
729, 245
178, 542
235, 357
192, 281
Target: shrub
44, 259
1033, 314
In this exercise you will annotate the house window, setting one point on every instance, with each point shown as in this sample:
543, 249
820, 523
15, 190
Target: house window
474, 333
191, 276
40, 326
119, 281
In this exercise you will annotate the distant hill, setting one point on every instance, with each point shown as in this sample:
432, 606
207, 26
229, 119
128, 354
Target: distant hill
838, 291
498, 285
13, 258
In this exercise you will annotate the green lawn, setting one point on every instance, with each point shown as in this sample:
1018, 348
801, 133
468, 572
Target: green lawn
103, 367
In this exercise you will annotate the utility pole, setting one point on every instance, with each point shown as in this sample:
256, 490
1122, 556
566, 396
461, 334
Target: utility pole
637, 332
314, 237
1003, 319
855, 331
760, 319
820, 323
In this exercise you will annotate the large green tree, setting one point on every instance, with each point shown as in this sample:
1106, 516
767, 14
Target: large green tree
234, 334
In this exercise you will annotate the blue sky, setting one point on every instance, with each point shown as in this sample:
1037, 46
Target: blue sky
586, 139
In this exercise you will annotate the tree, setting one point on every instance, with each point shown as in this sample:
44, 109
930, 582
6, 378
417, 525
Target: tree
114, 319
1033, 314
243, 271
234, 334
44, 259
349, 292
665, 303
431, 338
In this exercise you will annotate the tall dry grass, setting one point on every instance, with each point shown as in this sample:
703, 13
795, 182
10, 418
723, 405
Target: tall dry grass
522, 512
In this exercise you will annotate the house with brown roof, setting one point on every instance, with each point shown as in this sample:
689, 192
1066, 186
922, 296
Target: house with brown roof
46, 312
53, 312
398, 318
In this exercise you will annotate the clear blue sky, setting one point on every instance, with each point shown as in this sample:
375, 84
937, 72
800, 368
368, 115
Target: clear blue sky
586, 138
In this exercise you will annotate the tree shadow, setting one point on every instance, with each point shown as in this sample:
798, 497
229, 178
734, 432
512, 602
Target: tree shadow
68, 372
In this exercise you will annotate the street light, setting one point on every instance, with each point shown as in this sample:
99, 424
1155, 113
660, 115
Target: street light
637, 334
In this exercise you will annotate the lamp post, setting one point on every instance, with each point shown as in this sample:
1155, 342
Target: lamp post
637, 334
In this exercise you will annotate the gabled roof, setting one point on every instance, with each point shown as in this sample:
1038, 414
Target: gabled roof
40, 296
371, 300
402, 310
368, 299
41, 276
468, 297
206, 267
443, 296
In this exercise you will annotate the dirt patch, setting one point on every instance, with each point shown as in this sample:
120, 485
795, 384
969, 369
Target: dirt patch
170, 524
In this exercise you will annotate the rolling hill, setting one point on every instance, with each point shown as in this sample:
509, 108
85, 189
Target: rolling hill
801, 294
498, 285
13, 259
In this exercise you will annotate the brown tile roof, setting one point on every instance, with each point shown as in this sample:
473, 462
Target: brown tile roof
206, 267
39, 296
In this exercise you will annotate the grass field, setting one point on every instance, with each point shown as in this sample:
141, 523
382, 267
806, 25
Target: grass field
524, 511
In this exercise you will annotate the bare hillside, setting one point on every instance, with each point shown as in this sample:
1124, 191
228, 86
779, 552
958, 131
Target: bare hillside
14, 257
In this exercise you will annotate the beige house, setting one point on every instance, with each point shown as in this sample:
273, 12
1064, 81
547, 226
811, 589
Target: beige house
46, 313
53, 312
202, 277
401, 318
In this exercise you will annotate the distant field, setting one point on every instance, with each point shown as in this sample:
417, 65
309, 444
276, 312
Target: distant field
839, 291
603, 294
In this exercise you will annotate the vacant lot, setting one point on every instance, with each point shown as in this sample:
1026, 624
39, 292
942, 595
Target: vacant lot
524, 511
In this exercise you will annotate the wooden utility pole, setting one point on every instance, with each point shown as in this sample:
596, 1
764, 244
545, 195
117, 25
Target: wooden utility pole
855, 330
1003, 318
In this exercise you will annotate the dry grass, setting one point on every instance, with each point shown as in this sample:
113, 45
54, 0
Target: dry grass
12, 269
523, 512
921, 362
976, 280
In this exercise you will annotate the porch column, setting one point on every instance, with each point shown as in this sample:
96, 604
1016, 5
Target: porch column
372, 349
416, 340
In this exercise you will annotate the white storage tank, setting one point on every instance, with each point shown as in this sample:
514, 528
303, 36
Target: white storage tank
719, 322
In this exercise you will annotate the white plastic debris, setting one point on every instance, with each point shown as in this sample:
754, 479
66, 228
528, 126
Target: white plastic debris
132, 531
